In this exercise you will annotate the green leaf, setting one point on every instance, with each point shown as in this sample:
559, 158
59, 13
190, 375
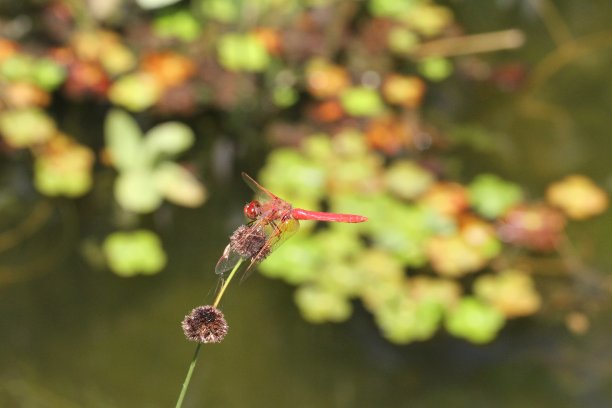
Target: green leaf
26, 127
136, 92
154, 4
169, 138
136, 190
404, 320
130, 253
318, 305
492, 197
239, 52
474, 320
361, 101
66, 172
179, 186
407, 179
177, 23
48, 74
391, 8
123, 140
221, 10
436, 68
17, 67
402, 40
297, 261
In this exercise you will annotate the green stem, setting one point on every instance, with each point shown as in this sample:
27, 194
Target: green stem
226, 284
181, 397
179, 402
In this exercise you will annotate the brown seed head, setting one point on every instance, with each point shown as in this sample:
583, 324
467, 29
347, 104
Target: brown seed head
205, 324
248, 241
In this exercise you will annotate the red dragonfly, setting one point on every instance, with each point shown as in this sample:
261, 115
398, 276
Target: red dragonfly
273, 220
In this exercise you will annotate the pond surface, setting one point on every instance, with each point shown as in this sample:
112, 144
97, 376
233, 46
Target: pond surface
74, 336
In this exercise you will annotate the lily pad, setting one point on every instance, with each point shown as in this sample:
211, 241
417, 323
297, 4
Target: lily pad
136, 190
179, 186
123, 140
474, 320
132, 253
136, 92
26, 127
361, 101
319, 306
169, 138
492, 197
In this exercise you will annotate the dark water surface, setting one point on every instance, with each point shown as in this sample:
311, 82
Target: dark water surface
72, 336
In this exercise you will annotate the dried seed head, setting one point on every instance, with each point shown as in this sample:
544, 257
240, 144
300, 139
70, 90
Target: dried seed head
205, 324
262, 254
248, 241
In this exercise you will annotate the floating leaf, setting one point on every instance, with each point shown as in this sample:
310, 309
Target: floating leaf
179, 186
474, 320
512, 292
135, 92
492, 197
446, 197
429, 19
131, 253
242, 52
406, 91
177, 23
537, 227
391, 8
220, 10
407, 179
285, 96
402, 40
123, 140
578, 197
326, 80
47, 74
169, 138
361, 101
404, 320
320, 306
296, 261
452, 256
436, 69
137, 190
26, 127
17, 67
63, 167
154, 4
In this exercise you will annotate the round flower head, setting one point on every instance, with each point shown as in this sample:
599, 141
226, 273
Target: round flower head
248, 241
205, 324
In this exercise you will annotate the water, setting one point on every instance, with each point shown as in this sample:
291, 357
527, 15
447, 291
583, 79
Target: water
74, 336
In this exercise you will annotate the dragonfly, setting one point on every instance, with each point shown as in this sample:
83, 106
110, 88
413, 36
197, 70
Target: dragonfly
272, 221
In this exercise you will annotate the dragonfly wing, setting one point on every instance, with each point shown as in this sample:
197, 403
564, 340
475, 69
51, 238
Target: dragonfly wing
261, 192
278, 233
228, 261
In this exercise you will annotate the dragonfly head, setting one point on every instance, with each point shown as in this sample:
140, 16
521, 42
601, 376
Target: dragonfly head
252, 210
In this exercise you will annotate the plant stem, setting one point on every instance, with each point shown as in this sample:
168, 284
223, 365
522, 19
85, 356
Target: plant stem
179, 402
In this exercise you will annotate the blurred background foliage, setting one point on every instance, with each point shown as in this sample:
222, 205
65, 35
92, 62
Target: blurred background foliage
117, 107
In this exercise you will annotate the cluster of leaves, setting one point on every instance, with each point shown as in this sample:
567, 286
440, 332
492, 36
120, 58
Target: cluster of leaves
447, 234
342, 83
188, 59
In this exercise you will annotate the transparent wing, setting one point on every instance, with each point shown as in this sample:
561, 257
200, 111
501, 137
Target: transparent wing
242, 238
261, 193
278, 233
228, 260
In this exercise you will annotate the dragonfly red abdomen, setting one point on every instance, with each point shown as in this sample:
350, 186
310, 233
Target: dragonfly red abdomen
301, 214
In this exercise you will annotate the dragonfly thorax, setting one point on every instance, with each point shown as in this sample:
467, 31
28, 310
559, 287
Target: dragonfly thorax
252, 210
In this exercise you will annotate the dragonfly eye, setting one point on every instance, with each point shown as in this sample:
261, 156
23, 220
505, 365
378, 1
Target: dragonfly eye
252, 210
